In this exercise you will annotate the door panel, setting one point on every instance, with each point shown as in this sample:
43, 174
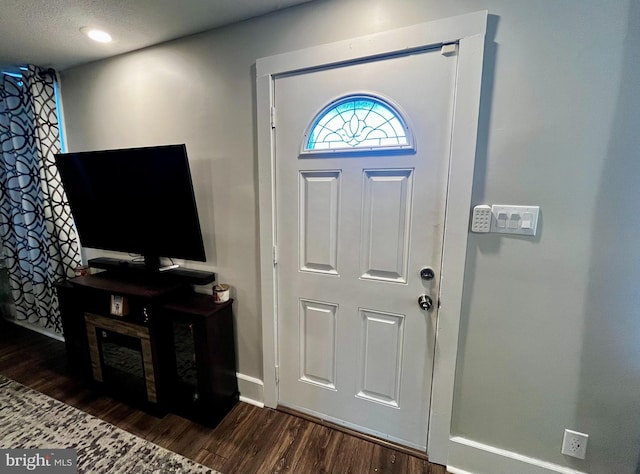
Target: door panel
353, 231
386, 222
318, 343
319, 205
381, 360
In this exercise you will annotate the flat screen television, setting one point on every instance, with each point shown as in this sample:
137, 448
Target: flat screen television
136, 200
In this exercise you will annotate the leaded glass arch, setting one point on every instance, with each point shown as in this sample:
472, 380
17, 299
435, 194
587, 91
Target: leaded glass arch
358, 122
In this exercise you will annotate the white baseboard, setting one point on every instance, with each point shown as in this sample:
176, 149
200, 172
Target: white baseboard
470, 457
38, 329
251, 390
455, 470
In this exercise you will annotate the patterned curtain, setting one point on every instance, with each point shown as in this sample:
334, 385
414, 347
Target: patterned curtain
36, 228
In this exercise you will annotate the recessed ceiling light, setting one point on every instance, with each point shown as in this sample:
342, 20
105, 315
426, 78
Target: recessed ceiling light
96, 35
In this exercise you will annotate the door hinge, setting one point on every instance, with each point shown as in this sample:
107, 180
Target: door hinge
450, 49
273, 117
275, 255
277, 374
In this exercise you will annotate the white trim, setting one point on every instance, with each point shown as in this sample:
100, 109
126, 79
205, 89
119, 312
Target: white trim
251, 401
251, 390
468, 31
455, 470
456, 231
38, 329
447, 30
465, 454
267, 212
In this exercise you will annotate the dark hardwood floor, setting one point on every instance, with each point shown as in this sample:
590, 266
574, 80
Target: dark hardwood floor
248, 440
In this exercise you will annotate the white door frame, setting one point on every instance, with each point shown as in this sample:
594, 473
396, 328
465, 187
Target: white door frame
468, 32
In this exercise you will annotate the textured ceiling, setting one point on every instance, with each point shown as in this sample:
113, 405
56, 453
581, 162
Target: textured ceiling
47, 32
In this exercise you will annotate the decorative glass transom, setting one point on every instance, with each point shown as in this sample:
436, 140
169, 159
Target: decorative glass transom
357, 122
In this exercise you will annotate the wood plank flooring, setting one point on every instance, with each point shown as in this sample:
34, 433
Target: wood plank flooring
248, 440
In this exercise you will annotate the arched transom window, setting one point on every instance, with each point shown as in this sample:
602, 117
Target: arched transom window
356, 123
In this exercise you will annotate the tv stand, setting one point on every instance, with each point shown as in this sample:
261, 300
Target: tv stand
166, 348
128, 268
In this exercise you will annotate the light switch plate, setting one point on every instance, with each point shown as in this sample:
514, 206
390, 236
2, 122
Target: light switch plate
518, 220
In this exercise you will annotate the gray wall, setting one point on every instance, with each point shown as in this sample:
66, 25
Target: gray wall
550, 335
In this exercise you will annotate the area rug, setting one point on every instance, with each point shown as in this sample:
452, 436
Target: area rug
32, 420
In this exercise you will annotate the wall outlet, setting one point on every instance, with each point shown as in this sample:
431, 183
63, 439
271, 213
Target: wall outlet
575, 444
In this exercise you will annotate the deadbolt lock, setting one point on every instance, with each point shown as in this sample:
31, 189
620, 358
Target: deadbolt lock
427, 273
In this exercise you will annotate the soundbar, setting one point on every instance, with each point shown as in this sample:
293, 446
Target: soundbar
182, 275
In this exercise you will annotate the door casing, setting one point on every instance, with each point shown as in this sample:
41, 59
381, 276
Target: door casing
468, 33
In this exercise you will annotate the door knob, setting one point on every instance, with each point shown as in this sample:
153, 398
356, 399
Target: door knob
425, 302
427, 273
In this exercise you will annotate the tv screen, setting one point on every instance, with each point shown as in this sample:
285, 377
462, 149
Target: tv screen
137, 200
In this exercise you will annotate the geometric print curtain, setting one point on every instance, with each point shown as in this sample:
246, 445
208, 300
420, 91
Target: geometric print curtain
38, 237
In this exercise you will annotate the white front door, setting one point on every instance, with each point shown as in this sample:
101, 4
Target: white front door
354, 228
